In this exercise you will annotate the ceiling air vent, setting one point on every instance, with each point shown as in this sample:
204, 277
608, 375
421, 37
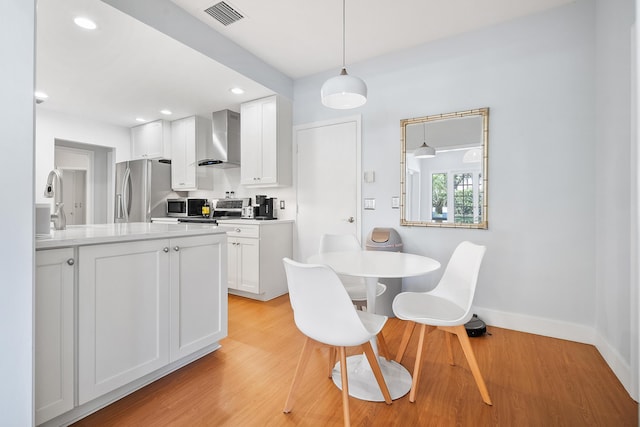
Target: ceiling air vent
224, 13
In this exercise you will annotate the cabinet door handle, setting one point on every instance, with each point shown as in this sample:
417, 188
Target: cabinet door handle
238, 230
165, 249
71, 261
176, 248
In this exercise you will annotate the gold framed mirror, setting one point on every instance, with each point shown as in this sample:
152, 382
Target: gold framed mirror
444, 170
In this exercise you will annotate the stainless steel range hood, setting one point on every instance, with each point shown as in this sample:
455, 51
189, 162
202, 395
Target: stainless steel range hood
223, 150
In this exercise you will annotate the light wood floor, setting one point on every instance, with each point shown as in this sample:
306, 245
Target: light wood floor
533, 381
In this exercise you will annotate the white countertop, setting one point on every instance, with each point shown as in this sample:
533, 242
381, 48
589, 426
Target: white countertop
78, 235
253, 221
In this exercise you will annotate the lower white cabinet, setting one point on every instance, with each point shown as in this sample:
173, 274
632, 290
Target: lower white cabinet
244, 264
54, 341
145, 304
123, 314
198, 293
256, 249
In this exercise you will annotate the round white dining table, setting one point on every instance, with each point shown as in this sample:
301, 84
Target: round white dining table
373, 265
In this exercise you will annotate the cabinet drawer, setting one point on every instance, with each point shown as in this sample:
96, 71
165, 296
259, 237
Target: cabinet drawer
237, 230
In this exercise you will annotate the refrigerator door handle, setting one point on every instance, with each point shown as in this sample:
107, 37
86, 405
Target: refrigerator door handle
126, 192
119, 210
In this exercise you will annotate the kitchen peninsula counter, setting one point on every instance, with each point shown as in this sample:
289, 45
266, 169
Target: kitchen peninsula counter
94, 234
119, 306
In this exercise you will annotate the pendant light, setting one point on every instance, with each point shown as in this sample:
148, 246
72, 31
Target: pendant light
424, 151
343, 91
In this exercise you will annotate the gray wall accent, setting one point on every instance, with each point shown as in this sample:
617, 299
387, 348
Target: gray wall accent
17, 74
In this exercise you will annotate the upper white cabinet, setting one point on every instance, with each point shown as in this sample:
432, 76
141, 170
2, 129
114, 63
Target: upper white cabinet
189, 137
54, 339
266, 134
151, 140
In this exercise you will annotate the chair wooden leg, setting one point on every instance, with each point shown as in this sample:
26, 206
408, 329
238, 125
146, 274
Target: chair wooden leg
302, 363
332, 360
461, 332
377, 372
383, 350
345, 387
447, 337
408, 330
416, 367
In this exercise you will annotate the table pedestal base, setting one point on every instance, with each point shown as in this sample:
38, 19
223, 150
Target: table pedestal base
363, 384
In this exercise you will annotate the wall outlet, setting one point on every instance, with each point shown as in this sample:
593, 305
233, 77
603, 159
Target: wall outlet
395, 202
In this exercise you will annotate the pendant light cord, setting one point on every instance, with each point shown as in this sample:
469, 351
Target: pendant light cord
343, 34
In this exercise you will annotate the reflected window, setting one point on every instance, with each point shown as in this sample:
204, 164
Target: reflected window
463, 198
439, 196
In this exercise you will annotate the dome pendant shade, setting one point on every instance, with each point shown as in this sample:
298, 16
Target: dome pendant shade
424, 152
343, 91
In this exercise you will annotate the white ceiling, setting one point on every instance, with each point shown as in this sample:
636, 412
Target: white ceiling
126, 69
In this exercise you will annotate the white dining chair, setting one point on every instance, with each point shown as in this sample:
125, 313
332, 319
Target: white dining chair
323, 312
447, 307
355, 286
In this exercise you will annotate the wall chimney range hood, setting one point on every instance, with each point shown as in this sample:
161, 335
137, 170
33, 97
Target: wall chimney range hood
223, 151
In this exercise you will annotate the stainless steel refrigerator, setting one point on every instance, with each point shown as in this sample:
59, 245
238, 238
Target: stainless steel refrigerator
142, 187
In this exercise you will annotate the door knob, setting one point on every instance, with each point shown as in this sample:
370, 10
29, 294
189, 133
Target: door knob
350, 220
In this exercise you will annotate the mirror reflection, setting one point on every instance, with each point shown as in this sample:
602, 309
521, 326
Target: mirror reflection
444, 170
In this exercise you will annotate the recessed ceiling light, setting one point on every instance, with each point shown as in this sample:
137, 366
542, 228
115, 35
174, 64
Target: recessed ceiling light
140, 119
85, 23
166, 112
237, 90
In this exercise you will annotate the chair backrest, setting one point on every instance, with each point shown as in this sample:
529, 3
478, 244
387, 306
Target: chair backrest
458, 283
322, 308
339, 243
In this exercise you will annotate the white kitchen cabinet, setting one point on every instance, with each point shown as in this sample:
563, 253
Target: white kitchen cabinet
54, 339
151, 140
198, 293
145, 304
256, 249
123, 314
244, 263
189, 137
266, 134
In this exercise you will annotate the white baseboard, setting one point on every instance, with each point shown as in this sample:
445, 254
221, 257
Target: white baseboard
620, 368
537, 325
562, 330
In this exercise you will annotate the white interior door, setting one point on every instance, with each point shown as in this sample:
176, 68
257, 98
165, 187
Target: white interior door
74, 196
327, 182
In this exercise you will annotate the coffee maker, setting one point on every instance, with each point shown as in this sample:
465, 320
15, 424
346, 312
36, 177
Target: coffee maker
266, 207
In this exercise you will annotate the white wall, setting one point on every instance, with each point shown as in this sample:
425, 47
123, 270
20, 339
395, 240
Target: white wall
614, 189
17, 47
536, 74
52, 125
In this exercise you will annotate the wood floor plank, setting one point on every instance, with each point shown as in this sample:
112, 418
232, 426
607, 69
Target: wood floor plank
532, 380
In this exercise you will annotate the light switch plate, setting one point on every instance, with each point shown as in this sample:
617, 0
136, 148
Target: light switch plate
369, 176
395, 202
281, 204
369, 203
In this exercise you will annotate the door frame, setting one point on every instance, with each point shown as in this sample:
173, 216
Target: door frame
88, 156
357, 118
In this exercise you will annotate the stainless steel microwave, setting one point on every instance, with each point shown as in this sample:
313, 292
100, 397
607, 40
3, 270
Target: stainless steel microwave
184, 207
